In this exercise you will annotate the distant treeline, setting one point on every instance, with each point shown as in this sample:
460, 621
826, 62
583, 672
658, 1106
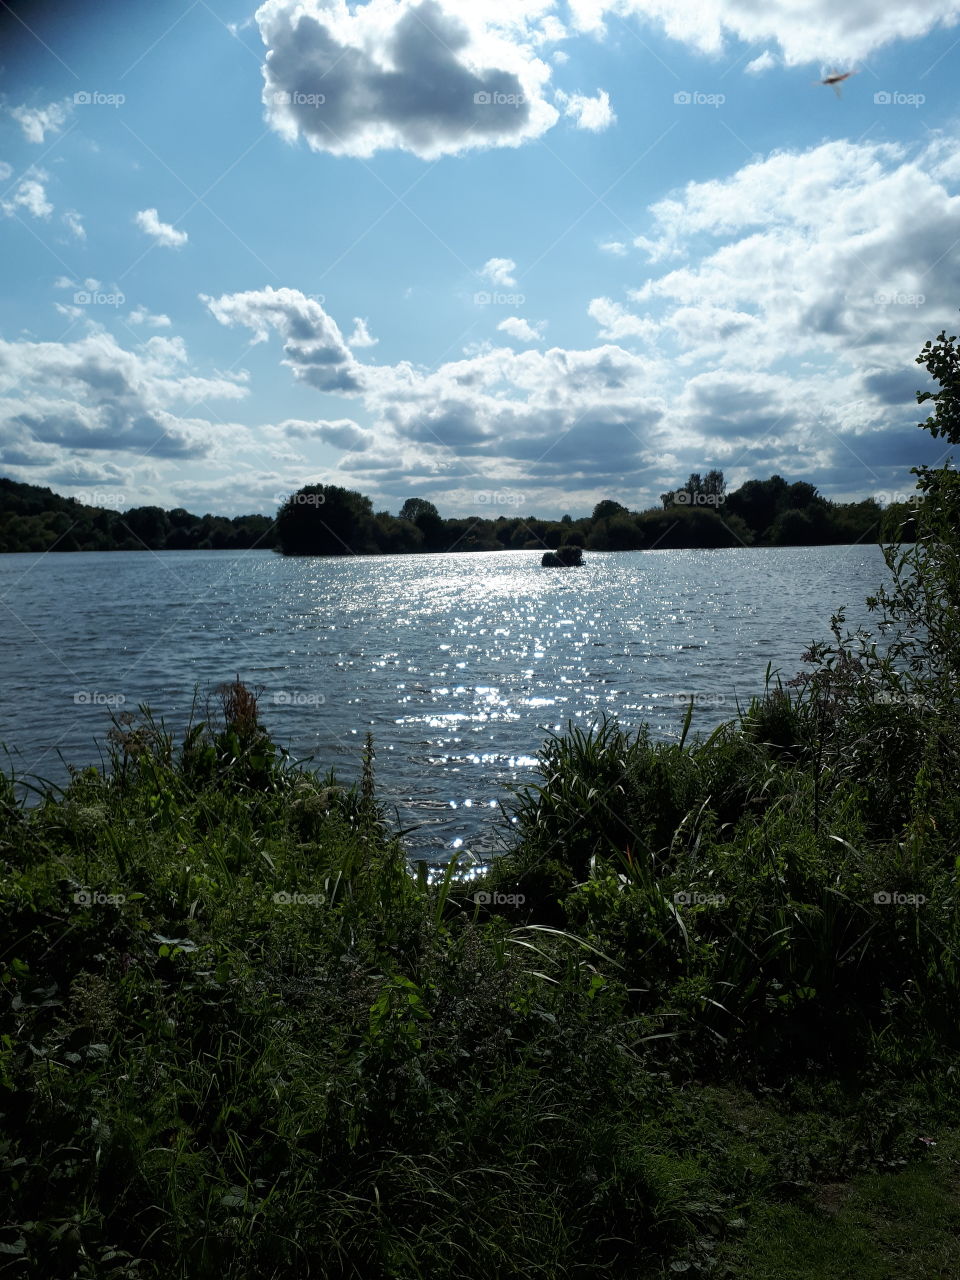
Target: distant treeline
35, 519
329, 520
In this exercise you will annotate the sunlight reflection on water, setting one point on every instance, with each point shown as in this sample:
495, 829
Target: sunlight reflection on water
459, 665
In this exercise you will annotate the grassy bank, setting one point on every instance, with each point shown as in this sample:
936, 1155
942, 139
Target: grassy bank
673, 1031
702, 1016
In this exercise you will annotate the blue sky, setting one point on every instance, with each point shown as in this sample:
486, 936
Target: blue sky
511, 256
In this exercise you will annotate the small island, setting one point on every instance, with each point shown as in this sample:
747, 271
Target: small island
566, 557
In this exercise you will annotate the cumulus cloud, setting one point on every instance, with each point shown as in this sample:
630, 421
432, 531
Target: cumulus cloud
37, 122
420, 75
594, 114
805, 30
522, 330
616, 247
94, 394
500, 271
313, 344
757, 66
162, 233
30, 194
823, 268
342, 432
361, 336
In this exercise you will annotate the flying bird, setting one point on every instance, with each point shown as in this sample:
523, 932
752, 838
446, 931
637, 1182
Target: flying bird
834, 80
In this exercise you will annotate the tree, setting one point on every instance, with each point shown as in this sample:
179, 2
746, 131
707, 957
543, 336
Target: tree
792, 528
326, 520
148, 525
415, 507
715, 485
607, 508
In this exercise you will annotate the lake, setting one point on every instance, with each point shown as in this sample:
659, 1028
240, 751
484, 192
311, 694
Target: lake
458, 664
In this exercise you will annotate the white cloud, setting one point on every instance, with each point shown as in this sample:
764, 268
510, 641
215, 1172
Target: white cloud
162, 233
805, 30
431, 77
344, 433
30, 194
757, 66
72, 221
65, 282
313, 344
520, 329
594, 114
37, 122
140, 315
361, 336
93, 394
616, 322
500, 271
616, 247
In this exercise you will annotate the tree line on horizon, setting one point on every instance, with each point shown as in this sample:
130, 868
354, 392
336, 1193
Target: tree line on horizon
329, 520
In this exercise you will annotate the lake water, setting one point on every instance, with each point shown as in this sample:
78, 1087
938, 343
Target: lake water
459, 664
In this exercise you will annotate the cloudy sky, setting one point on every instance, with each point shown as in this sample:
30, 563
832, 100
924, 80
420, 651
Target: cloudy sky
510, 254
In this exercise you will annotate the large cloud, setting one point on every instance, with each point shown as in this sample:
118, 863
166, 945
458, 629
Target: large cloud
428, 77
93, 394
803, 30
846, 251
315, 348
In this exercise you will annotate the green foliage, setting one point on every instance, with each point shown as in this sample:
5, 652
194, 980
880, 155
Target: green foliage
327, 520
35, 519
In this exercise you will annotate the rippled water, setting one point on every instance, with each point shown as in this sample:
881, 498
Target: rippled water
458, 664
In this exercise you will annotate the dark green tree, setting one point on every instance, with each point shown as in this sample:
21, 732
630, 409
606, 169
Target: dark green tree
326, 520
